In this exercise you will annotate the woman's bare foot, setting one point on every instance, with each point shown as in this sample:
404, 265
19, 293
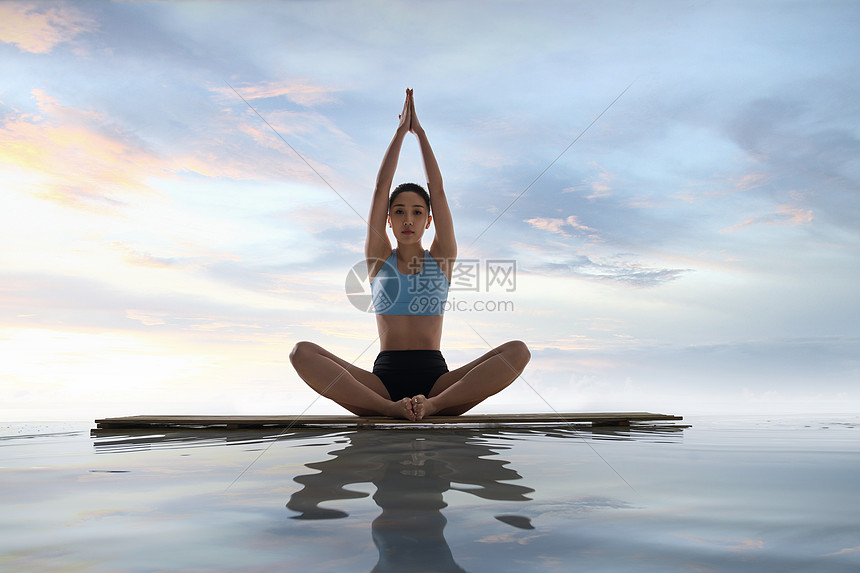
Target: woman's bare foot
423, 407
403, 408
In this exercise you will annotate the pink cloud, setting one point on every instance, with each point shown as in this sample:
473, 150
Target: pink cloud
79, 161
297, 91
88, 160
601, 185
846, 551
562, 226
750, 181
37, 28
784, 215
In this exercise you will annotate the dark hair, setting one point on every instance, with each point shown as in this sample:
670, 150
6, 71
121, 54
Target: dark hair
412, 188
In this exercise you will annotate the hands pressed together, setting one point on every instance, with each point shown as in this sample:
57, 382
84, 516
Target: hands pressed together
408, 119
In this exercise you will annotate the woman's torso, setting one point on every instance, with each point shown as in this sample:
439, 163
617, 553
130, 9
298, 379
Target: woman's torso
404, 332
420, 329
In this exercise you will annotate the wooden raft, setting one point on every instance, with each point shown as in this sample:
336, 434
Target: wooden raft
379, 422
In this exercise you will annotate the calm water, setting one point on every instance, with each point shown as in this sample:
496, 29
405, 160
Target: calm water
775, 494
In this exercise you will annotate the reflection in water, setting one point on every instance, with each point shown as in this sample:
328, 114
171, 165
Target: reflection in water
410, 471
116, 440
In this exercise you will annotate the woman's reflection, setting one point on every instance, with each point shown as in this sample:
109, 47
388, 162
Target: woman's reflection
410, 471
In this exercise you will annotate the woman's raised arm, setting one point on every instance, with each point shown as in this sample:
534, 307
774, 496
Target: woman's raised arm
444, 247
378, 245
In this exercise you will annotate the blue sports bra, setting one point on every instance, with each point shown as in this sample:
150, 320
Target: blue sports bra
421, 294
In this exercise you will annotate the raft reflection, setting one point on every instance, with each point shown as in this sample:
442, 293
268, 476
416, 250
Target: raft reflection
411, 472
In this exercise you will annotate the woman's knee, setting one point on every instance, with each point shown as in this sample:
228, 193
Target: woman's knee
517, 353
301, 351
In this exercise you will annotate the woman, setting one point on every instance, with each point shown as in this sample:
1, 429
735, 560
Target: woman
410, 378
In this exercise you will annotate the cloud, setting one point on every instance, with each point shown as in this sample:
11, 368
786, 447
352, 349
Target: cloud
784, 215
766, 374
294, 125
82, 161
286, 142
618, 268
78, 304
598, 186
92, 161
846, 551
799, 147
38, 28
631, 273
147, 318
750, 181
560, 226
145, 259
301, 92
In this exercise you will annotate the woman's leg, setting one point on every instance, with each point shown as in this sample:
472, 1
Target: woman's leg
460, 390
359, 391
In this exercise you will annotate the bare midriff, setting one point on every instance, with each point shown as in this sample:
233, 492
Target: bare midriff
408, 332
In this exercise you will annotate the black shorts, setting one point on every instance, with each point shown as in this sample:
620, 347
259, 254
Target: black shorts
407, 373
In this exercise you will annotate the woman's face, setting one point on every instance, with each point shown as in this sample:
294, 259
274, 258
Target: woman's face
408, 217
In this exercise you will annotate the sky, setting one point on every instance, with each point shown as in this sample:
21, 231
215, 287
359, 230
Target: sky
672, 188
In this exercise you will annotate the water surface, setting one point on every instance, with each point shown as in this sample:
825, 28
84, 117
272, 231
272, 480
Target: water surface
777, 494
